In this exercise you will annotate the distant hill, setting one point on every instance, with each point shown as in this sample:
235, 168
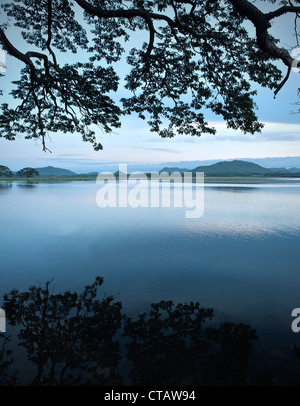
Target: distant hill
274, 162
294, 170
52, 171
282, 170
232, 168
171, 170
237, 168
120, 173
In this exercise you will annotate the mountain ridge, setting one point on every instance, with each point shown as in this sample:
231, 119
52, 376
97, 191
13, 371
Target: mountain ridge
53, 171
231, 168
236, 167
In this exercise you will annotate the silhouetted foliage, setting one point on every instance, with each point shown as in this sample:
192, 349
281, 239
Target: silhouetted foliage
79, 339
5, 171
167, 345
197, 55
170, 345
27, 172
69, 336
232, 345
6, 360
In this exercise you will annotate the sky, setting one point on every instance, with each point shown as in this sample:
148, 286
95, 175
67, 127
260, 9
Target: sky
134, 144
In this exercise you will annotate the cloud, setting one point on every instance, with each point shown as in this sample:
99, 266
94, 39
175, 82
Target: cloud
80, 162
272, 132
69, 155
170, 150
177, 139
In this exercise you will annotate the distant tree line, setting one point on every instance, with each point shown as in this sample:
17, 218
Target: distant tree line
22, 173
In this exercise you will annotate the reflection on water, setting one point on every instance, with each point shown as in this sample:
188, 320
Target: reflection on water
77, 338
241, 258
80, 338
5, 186
27, 184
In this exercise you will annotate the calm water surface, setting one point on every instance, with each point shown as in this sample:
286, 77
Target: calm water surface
241, 258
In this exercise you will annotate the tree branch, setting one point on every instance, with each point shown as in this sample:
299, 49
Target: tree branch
283, 82
49, 39
147, 16
34, 54
25, 58
17, 54
282, 10
122, 13
262, 24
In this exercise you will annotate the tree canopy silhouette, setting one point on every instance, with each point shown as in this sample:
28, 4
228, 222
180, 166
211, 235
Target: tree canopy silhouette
27, 172
5, 171
196, 55
68, 336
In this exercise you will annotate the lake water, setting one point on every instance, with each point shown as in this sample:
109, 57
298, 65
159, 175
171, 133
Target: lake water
241, 258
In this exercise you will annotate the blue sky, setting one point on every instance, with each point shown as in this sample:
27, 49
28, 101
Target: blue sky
134, 143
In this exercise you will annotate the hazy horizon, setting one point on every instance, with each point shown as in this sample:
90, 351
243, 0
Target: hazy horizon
267, 162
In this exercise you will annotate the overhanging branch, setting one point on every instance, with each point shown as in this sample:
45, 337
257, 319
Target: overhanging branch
281, 11
261, 22
25, 58
122, 13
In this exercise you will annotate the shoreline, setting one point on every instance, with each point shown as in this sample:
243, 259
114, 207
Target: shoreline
207, 179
